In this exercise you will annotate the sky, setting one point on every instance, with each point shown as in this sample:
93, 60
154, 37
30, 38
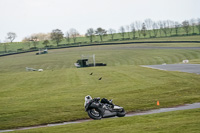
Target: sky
25, 17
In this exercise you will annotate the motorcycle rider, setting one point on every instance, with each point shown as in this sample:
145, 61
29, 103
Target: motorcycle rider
103, 100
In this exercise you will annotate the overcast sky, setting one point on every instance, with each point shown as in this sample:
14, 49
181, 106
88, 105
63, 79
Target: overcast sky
25, 17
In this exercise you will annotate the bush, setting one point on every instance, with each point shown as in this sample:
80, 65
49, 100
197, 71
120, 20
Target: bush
33, 48
20, 49
194, 33
152, 36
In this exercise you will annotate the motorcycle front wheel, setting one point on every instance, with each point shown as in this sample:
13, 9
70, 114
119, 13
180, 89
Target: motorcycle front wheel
121, 113
94, 114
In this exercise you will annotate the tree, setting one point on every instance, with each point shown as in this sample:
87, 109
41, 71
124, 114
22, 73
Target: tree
171, 26
133, 30
160, 27
165, 27
35, 41
73, 34
100, 32
144, 29
67, 37
155, 28
186, 26
46, 42
112, 33
5, 45
57, 36
127, 29
122, 31
26, 39
198, 24
177, 27
11, 36
138, 25
192, 23
42, 36
90, 34
148, 24
28, 43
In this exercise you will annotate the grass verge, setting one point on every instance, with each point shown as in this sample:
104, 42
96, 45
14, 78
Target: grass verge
186, 121
34, 98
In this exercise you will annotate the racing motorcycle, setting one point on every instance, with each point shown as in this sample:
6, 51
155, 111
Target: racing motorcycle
103, 108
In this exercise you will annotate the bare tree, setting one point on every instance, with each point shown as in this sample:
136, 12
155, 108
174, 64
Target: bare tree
128, 31
160, 27
27, 41
112, 33
100, 32
148, 24
90, 34
193, 23
144, 29
42, 36
11, 36
133, 30
155, 28
171, 25
177, 27
138, 25
186, 26
198, 24
165, 27
5, 45
122, 32
57, 36
67, 37
34, 40
73, 34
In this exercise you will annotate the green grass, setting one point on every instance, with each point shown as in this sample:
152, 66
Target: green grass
12, 47
195, 61
187, 121
113, 55
57, 94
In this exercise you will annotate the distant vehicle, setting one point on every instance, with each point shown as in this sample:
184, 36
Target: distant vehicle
84, 63
42, 52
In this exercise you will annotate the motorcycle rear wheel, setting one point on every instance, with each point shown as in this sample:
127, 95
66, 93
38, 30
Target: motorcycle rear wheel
94, 114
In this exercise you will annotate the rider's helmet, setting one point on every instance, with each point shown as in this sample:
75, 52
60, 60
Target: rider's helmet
87, 99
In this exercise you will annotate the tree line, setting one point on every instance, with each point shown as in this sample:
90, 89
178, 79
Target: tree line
148, 27
138, 28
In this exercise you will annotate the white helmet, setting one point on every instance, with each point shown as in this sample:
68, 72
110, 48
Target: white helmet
87, 99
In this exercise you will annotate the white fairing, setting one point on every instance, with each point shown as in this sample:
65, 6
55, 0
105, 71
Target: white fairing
117, 107
40, 70
87, 99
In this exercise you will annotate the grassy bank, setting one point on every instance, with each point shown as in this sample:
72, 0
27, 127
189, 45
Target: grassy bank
57, 94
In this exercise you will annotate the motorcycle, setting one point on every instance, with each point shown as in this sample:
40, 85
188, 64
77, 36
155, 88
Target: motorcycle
97, 109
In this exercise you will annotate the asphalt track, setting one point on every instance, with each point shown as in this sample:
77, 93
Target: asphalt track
161, 110
189, 68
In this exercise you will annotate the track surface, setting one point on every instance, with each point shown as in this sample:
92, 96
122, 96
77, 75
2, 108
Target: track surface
189, 68
183, 107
